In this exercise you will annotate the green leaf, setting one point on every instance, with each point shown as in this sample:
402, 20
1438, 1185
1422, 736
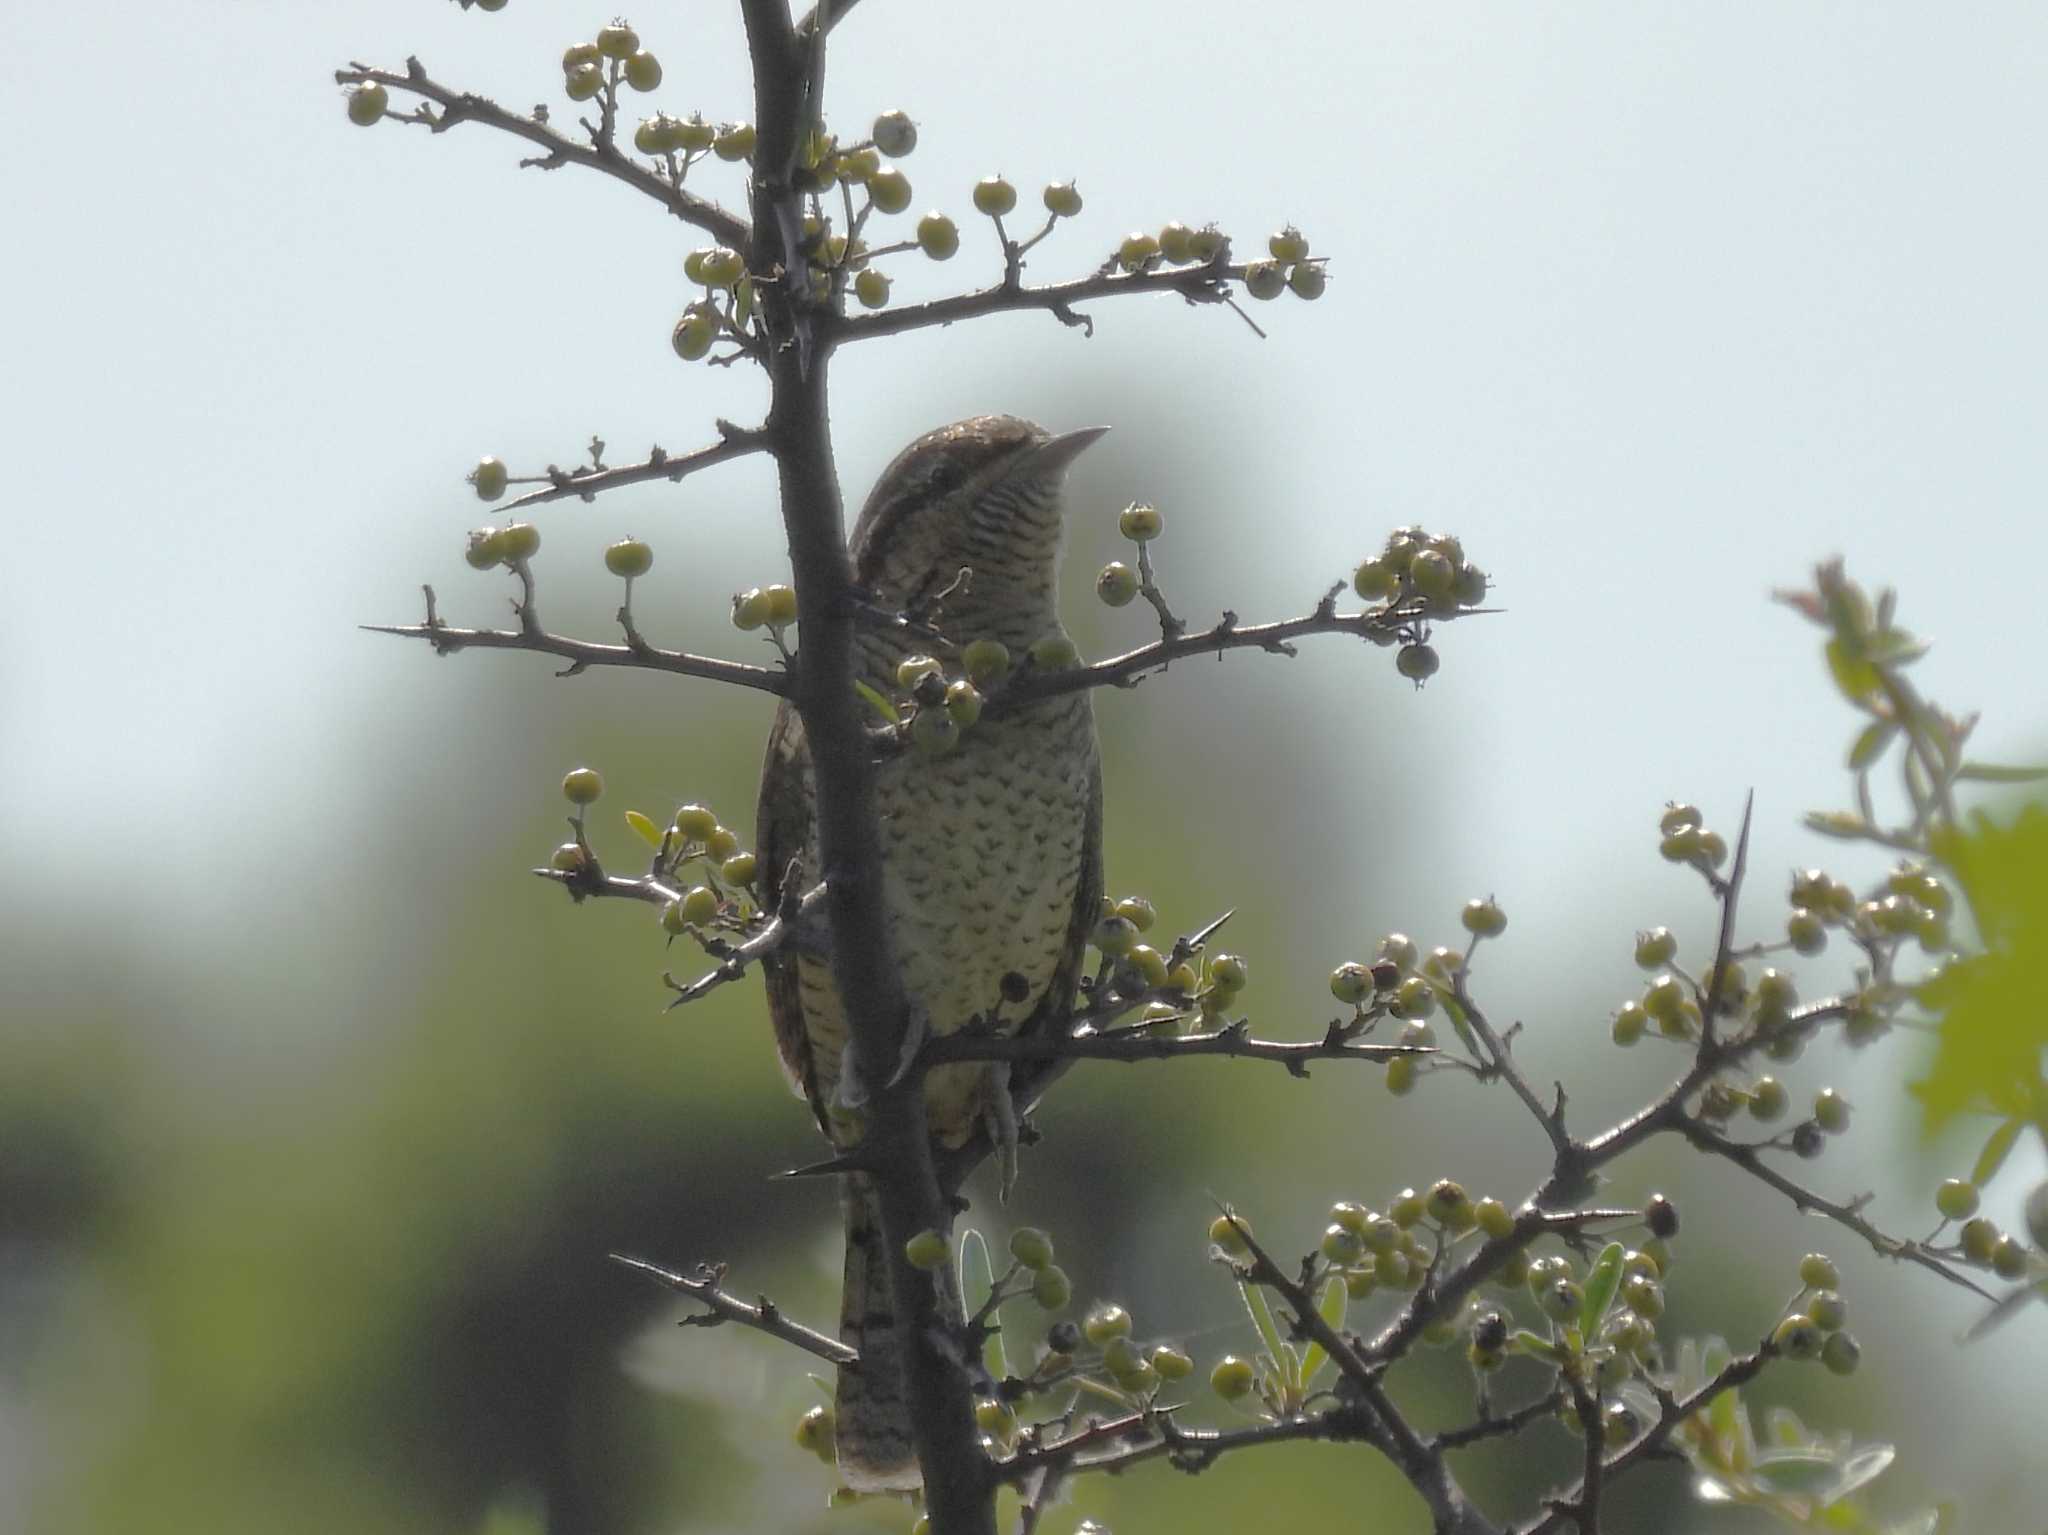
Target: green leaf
1801, 1473
1262, 1319
1992, 1157
1854, 675
1988, 772
649, 832
878, 701
1871, 743
1539, 1347
1602, 1281
1331, 1309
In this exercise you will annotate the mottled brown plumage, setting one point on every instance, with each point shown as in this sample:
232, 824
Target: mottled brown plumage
993, 852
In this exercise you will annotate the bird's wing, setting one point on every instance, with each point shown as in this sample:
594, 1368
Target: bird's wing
1055, 1008
782, 832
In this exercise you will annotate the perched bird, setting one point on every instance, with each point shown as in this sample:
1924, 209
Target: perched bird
992, 851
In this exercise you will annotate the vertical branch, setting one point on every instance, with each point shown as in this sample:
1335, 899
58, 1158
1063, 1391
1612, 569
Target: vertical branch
959, 1488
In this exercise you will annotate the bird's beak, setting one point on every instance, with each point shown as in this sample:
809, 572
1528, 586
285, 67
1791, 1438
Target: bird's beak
1052, 458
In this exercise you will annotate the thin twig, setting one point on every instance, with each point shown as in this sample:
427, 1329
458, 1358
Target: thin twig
586, 485
762, 1315
1198, 285
584, 654
1135, 1044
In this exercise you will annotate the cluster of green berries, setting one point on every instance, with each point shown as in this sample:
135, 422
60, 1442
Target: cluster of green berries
942, 707
764, 607
1684, 837
1404, 983
511, 546
693, 138
1418, 565
1812, 1327
1118, 582
1981, 1242
1209, 981
1289, 269
615, 54
696, 835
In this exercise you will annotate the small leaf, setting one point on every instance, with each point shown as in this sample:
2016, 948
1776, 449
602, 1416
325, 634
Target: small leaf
1871, 743
1844, 824
1539, 1347
1262, 1318
1854, 676
1602, 1280
1988, 772
649, 832
1992, 1157
1331, 1309
878, 701
1863, 1468
1805, 1473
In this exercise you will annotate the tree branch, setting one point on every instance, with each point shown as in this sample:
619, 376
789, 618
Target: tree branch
463, 106
586, 484
762, 1316
1136, 1044
1198, 285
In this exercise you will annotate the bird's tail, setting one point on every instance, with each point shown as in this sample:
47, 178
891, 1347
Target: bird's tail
872, 1404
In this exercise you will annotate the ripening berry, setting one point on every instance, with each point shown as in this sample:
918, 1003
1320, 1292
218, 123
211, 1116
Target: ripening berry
1841, 1353
814, 1432
994, 196
694, 334
1264, 279
628, 558
1661, 1216
700, 904
1031, 1247
1106, 1322
1797, 1338
1228, 1233
617, 41
695, 823
986, 662
1140, 524
1351, 983
1980, 1239
1831, 1111
1768, 1100
750, 609
569, 858
1307, 280
366, 103
895, 134
938, 236
1560, 1299
1414, 998
1631, 1020
732, 141
1138, 911
1116, 584
642, 71
1484, 918
1289, 244
1115, 936
963, 702
872, 288
2009, 1258
1656, 948
1817, 1271
1051, 1288
485, 548
1055, 653
927, 1250
1807, 1140
1828, 1310
1417, 663
1956, 1199
582, 786
519, 542
721, 267
583, 82
1232, 1378
1136, 251
1449, 1205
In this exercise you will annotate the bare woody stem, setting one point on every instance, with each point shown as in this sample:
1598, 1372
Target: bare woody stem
1198, 285
1134, 1044
959, 1489
721, 1306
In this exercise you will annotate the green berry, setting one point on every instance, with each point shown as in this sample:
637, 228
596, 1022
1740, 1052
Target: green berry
366, 104
1817, 1271
520, 542
642, 71
1062, 199
694, 334
1828, 1310
1980, 1239
994, 196
995, 1419
652, 136
1664, 998
986, 662
1171, 1363
1776, 992
1408, 1208
733, 141
1147, 962
1956, 1199
1374, 582
1351, 983
489, 478
617, 41
750, 609
1417, 663
1140, 524
1631, 1020
700, 905
569, 858
738, 869
938, 236
1117, 584
1228, 1232
889, 190
582, 786
1138, 911
1485, 918
1432, 574
583, 82
1290, 244
1678, 816
1051, 1288
695, 823
1341, 1245
1415, 998
1232, 1378
629, 557
1307, 280
928, 1250
485, 548
1054, 653
814, 1432
1031, 1247
1493, 1217
1450, 1206
1805, 930
1560, 1299
872, 288
1228, 973
912, 670
2009, 1258
963, 702
1713, 848
895, 134
1137, 250
1176, 243
1768, 1100
1841, 1353
1656, 948
933, 732
1105, 1323
1401, 1075
1831, 1111
1264, 279
1114, 936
